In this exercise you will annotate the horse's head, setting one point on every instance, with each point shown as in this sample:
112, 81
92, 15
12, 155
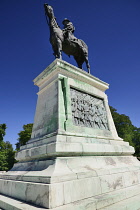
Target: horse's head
48, 10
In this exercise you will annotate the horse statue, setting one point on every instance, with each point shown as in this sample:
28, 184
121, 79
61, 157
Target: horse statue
64, 40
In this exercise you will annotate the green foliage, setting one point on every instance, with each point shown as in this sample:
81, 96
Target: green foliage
136, 141
24, 135
7, 156
126, 130
7, 153
123, 125
2, 131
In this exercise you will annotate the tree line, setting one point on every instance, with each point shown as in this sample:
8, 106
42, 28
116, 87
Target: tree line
126, 130
124, 126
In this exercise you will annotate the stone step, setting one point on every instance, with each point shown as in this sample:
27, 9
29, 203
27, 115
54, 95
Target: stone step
132, 203
103, 202
7, 203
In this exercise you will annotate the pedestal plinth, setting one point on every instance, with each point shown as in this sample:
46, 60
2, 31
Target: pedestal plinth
75, 159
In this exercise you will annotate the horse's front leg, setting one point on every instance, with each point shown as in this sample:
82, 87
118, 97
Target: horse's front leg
59, 49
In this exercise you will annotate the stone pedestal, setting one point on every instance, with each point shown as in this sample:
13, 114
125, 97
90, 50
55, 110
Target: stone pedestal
75, 159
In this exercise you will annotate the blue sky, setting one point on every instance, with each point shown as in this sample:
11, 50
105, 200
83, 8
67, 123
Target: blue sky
110, 28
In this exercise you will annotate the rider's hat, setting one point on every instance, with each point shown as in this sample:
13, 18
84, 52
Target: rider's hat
65, 20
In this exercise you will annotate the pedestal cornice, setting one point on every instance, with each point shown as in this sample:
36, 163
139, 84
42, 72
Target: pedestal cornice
62, 67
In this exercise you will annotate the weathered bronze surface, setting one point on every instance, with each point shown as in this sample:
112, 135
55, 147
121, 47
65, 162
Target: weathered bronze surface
64, 40
88, 111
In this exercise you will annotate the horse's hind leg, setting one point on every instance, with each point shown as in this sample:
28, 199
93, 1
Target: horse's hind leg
87, 63
79, 63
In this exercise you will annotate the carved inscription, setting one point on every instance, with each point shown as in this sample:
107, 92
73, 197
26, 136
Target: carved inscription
88, 111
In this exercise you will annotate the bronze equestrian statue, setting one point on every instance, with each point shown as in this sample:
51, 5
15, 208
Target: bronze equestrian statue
64, 40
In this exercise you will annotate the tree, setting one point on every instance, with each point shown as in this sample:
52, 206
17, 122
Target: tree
2, 131
123, 126
7, 153
126, 130
24, 136
136, 141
